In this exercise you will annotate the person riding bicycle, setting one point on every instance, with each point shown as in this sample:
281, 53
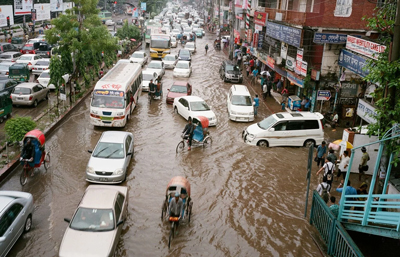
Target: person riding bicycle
28, 152
188, 132
206, 47
176, 208
152, 88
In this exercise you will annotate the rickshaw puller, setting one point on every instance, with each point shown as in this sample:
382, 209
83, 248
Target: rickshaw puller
175, 208
28, 152
188, 132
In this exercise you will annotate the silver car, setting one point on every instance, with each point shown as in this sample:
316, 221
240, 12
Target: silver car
96, 225
110, 158
9, 56
16, 210
5, 69
29, 94
40, 66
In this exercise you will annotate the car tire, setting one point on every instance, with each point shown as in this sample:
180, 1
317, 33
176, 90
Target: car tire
35, 103
225, 79
47, 96
176, 110
28, 224
262, 143
309, 142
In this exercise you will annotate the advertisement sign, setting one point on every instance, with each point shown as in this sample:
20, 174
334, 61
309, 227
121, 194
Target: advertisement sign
56, 5
238, 3
67, 6
315, 74
284, 48
352, 62
329, 38
324, 95
349, 90
297, 69
249, 35
286, 34
143, 6
255, 40
6, 10
366, 111
303, 70
22, 7
299, 56
42, 12
290, 63
260, 18
33, 14
364, 47
270, 62
260, 39
258, 27
297, 81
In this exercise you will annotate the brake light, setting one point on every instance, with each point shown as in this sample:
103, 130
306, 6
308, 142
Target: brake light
10, 96
33, 51
30, 98
7, 73
21, 51
48, 53
322, 124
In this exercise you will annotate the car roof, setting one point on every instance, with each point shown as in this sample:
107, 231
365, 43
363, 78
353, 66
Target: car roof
230, 62
180, 83
28, 85
156, 61
114, 136
138, 52
8, 53
240, 90
192, 98
6, 197
8, 63
298, 115
28, 55
5, 201
92, 198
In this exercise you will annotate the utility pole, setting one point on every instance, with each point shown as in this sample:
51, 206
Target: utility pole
395, 53
219, 22
232, 35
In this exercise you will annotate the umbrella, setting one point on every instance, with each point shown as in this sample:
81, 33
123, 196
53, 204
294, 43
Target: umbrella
237, 50
133, 40
341, 142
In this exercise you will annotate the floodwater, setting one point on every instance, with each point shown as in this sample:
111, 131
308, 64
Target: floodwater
248, 201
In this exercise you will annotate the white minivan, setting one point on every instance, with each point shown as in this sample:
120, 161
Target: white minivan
286, 129
240, 107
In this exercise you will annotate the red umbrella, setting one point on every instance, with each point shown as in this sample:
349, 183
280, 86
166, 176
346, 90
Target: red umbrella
133, 40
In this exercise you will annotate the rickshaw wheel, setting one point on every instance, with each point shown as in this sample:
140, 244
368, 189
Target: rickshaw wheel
46, 161
207, 142
163, 211
23, 178
180, 147
190, 210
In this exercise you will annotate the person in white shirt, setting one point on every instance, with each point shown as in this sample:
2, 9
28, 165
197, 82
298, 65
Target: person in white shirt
323, 189
343, 166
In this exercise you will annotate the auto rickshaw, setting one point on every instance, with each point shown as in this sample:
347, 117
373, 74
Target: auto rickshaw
19, 72
201, 135
18, 42
5, 106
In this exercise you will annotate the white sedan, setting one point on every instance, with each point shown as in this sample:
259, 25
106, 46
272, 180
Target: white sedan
157, 66
183, 69
170, 61
109, 23
191, 46
147, 76
30, 59
174, 42
139, 57
192, 106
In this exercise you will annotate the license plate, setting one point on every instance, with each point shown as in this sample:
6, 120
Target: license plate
20, 98
103, 179
106, 118
39, 68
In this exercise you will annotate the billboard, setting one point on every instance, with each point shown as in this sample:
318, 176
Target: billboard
56, 5
42, 12
6, 10
22, 7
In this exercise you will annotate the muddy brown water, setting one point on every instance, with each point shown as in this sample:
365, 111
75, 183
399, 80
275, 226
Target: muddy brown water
248, 201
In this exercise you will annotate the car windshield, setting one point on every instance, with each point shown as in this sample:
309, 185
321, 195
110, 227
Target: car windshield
4, 67
43, 63
242, 100
154, 65
88, 219
184, 53
25, 58
267, 122
147, 77
109, 150
178, 89
199, 106
137, 55
189, 45
45, 75
108, 101
169, 58
160, 43
22, 91
232, 68
182, 65
176, 31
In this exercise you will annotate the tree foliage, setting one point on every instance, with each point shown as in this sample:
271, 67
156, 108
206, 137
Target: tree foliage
17, 127
82, 39
385, 74
129, 31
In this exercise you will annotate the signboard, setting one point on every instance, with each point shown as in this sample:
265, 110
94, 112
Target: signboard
56, 5
258, 27
323, 95
286, 34
249, 35
315, 75
290, 63
143, 6
366, 111
6, 10
238, 3
352, 62
364, 47
270, 62
42, 12
33, 14
109, 92
303, 70
349, 90
255, 40
260, 18
329, 38
343, 8
22, 7
294, 79
260, 39
63, 97
284, 48
299, 56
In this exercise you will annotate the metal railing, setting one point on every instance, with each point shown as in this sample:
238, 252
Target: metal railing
338, 241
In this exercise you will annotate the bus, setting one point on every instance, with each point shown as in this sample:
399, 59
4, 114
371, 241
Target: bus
115, 95
152, 28
160, 45
105, 16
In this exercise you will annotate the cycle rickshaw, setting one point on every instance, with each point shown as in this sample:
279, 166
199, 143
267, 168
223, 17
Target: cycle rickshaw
41, 156
201, 135
182, 186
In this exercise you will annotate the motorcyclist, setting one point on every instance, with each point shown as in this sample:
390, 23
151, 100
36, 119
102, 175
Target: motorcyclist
28, 152
188, 132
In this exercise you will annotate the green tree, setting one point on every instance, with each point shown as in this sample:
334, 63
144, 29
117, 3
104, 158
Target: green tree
128, 31
17, 127
386, 75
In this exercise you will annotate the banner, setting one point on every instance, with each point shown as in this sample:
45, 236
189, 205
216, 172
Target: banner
6, 10
299, 56
290, 63
366, 111
56, 5
286, 34
255, 40
260, 40
22, 7
352, 62
258, 27
284, 48
329, 38
42, 12
364, 47
143, 6
260, 18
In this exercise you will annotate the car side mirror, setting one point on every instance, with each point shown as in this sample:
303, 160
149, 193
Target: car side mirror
90, 151
168, 89
67, 220
128, 154
2, 239
272, 129
120, 222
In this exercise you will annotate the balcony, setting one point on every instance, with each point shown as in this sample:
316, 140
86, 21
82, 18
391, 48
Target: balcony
290, 17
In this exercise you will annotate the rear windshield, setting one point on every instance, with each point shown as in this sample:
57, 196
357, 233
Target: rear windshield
45, 75
28, 47
22, 91
43, 63
5, 56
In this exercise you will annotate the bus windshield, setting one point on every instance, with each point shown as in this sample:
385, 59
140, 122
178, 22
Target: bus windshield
108, 99
160, 43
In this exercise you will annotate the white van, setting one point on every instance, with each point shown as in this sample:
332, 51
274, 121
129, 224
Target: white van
240, 107
286, 129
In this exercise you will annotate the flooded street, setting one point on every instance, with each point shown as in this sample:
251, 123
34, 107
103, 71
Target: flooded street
247, 201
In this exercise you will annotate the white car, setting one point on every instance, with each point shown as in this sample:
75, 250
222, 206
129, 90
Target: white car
191, 46
192, 106
147, 76
170, 61
175, 32
157, 66
139, 57
109, 23
174, 42
9, 56
44, 79
30, 59
183, 69
239, 103
40, 66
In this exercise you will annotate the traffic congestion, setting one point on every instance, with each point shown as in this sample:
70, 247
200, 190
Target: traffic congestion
161, 160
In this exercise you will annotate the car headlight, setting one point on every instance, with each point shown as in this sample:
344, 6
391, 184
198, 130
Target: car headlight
89, 170
152, 51
233, 112
118, 171
167, 52
120, 113
250, 137
95, 112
